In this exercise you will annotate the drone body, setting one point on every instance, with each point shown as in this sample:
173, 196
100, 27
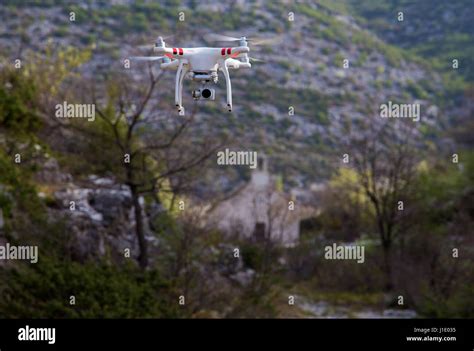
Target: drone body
201, 64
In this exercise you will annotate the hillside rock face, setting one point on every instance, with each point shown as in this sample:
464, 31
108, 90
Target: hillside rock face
101, 220
51, 173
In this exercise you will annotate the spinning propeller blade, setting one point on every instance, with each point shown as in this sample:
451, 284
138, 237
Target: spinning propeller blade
219, 37
265, 41
254, 41
146, 47
146, 58
253, 59
167, 36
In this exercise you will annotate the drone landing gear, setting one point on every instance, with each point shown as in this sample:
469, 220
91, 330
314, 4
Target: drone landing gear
225, 70
180, 74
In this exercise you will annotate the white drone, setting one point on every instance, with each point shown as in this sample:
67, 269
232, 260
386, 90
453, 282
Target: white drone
202, 64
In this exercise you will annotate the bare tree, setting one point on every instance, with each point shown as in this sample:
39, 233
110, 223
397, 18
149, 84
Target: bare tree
154, 144
384, 156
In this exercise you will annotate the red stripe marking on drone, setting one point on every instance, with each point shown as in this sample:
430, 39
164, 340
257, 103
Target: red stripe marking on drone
223, 51
181, 52
228, 51
175, 51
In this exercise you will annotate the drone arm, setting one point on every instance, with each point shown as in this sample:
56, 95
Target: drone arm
232, 63
239, 50
225, 70
164, 50
170, 65
236, 64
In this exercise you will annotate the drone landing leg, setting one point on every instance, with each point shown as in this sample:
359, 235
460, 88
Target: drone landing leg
225, 70
181, 78
177, 87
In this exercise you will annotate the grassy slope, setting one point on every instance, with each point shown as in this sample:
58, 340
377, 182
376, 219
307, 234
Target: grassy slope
439, 31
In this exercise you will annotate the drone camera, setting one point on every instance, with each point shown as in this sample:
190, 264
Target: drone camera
206, 93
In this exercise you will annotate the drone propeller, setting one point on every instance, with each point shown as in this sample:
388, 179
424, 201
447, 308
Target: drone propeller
146, 58
253, 59
146, 47
167, 37
254, 41
266, 41
219, 37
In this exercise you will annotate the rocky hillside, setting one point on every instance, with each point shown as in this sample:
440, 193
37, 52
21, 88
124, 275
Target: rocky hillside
122, 237
306, 71
439, 31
